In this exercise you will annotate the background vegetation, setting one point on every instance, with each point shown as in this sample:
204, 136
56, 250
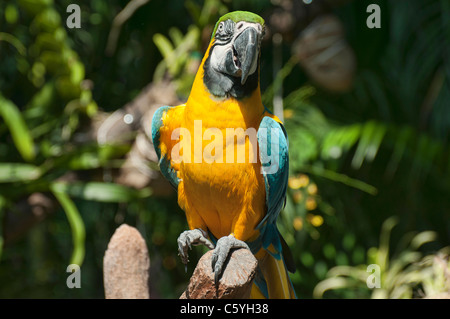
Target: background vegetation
370, 168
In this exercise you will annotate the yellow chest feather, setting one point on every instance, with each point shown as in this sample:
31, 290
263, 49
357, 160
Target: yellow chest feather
220, 171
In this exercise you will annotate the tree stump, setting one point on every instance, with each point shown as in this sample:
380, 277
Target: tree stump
235, 282
126, 268
126, 265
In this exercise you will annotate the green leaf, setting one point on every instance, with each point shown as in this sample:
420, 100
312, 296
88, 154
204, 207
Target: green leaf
102, 192
164, 45
383, 250
14, 42
11, 14
331, 284
40, 103
18, 172
371, 136
176, 36
305, 147
75, 221
341, 178
423, 238
76, 72
17, 127
90, 157
340, 140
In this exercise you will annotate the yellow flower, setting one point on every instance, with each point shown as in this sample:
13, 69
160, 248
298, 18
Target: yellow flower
297, 223
315, 220
288, 113
311, 203
298, 181
312, 189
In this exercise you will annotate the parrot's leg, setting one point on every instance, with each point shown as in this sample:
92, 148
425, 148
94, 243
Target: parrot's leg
221, 252
187, 239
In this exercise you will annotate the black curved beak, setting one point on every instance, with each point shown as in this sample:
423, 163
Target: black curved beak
245, 51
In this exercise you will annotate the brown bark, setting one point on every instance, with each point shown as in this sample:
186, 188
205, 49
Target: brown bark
126, 265
235, 282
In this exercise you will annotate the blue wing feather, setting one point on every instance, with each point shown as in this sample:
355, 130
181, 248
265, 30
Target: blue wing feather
164, 163
274, 155
273, 148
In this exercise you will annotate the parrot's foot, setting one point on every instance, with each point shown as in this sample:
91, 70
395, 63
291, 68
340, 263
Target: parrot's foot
221, 252
187, 239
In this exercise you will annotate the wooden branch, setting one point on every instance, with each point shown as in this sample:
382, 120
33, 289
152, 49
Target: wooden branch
235, 283
126, 268
126, 265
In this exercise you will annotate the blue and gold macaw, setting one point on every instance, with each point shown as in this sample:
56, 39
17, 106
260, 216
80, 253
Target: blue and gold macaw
230, 201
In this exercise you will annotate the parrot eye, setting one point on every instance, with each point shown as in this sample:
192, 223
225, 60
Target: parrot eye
224, 30
220, 28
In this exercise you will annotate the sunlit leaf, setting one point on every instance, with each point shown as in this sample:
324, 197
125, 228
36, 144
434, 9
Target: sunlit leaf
371, 137
176, 36
423, 238
383, 250
76, 224
342, 178
18, 128
76, 72
329, 284
164, 45
90, 157
40, 102
18, 172
102, 192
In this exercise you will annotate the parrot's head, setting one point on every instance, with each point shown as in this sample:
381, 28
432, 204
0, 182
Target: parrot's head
232, 66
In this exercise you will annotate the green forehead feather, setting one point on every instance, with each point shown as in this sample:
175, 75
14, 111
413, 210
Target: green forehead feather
237, 16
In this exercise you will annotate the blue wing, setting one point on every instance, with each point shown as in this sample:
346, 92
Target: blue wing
273, 151
164, 163
274, 155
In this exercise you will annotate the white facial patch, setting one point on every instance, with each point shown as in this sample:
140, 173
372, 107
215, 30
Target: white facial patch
224, 47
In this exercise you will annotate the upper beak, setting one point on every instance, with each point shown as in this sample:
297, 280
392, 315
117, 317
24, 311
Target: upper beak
246, 47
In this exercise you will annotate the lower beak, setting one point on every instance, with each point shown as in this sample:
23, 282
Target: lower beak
246, 47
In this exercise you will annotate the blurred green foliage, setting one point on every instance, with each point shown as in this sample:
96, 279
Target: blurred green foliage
357, 158
407, 274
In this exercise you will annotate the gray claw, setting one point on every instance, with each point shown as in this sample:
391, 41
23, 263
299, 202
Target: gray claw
187, 239
221, 252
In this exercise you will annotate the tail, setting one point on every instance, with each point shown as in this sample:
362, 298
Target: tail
272, 280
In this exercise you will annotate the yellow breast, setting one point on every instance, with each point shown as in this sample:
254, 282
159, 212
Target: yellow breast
220, 171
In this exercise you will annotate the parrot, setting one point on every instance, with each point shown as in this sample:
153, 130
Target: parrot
231, 200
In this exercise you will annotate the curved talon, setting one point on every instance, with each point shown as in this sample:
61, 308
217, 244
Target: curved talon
221, 252
187, 239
